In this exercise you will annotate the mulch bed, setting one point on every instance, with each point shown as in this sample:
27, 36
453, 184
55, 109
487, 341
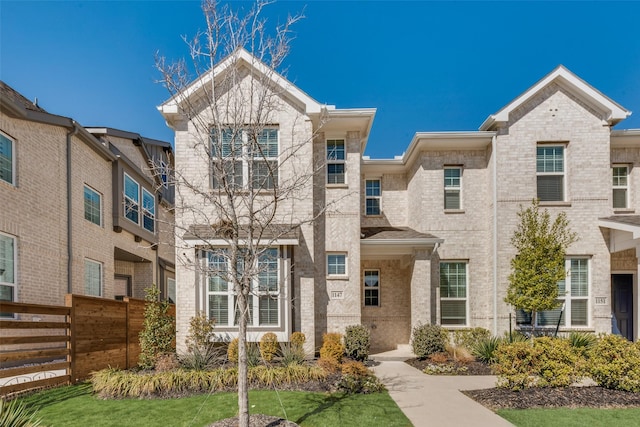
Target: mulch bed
568, 397
473, 368
257, 420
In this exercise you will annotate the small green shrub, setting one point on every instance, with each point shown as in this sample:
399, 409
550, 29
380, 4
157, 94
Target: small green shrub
292, 354
269, 346
297, 339
232, 351
582, 340
447, 369
357, 378
484, 350
516, 336
357, 341
428, 339
208, 357
355, 368
200, 334
468, 338
515, 365
253, 354
614, 363
16, 413
332, 347
158, 334
167, 362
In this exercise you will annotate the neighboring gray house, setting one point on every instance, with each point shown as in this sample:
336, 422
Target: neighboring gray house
425, 237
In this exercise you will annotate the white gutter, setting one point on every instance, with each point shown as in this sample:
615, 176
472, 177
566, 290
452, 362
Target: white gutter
495, 234
401, 242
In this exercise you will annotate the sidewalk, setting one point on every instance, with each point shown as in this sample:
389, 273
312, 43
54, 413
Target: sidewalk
435, 400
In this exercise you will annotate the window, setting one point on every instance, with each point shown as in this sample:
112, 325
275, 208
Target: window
243, 155
131, 199
265, 289
92, 206
453, 293
148, 210
335, 161
7, 269
164, 174
575, 297
171, 290
336, 264
6, 159
620, 186
372, 197
92, 278
372, 288
550, 173
452, 187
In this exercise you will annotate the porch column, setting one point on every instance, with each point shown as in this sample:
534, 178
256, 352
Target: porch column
421, 288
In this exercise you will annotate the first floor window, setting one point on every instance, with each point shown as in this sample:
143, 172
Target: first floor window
620, 187
373, 195
372, 288
92, 206
7, 269
574, 297
336, 264
550, 173
6, 159
265, 288
453, 293
92, 278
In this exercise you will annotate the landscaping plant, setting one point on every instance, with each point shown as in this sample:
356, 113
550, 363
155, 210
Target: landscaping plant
357, 341
484, 350
15, 413
269, 346
158, 334
428, 339
614, 363
332, 347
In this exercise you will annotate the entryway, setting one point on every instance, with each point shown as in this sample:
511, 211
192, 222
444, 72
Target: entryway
622, 290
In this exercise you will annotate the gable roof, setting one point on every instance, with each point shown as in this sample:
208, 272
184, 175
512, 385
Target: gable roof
172, 107
561, 75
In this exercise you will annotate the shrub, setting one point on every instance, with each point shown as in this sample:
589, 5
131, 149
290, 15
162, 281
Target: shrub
200, 334
332, 347
428, 339
468, 338
268, 346
357, 378
158, 334
330, 366
355, 368
356, 342
167, 362
484, 350
292, 354
17, 414
232, 351
614, 363
582, 340
253, 354
444, 369
439, 357
515, 365
207, 358
297, 339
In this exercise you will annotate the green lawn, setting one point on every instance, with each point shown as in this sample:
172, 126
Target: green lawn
75, 406
581, 417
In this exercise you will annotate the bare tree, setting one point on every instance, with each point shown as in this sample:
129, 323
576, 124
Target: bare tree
243, 180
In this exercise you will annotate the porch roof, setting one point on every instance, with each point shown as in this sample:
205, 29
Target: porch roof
218, 235
625, 231
395, 240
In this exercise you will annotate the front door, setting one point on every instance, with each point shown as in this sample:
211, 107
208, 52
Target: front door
623, 303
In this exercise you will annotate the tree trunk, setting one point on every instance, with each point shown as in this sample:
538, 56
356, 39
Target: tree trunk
534, 321
243, 383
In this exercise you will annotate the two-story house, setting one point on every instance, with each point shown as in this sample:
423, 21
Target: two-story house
87, 211
423, 237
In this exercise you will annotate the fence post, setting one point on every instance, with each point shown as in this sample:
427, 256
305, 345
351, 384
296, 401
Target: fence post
71, 332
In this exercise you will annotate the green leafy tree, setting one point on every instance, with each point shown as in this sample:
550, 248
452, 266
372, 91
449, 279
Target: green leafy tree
159, 332
539, 263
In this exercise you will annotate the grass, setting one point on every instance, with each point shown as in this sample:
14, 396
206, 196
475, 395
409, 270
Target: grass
579, 417
76, 406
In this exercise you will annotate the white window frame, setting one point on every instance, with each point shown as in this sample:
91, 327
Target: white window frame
346, 264
567, 298
13, 285
370, 288
452, 188
12, 159
128, 199
618, 186
368, 197
447, 298
146, 212
257, 292
87, 285
562, 174
86, 187
333, 160
171, 289
244, 157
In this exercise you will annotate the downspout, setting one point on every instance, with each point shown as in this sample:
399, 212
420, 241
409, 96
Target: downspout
69, 213
495, 234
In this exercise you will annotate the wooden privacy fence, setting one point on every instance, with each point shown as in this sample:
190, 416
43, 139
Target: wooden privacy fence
46, 345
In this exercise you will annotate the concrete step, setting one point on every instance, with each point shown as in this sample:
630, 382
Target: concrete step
401, 353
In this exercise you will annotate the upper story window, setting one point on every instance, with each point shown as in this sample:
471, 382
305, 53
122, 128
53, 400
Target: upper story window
550, 172
336, 165
620, 186
92, 206
452, 187
372, 197
453, 293
244, 158
7, 268
92, 278
7, 172
336, 264
133, 192
164, 174
371, 288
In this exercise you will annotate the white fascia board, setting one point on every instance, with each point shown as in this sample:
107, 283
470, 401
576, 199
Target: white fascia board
426, 242
566, 77
194, 243
614, 225
625, 138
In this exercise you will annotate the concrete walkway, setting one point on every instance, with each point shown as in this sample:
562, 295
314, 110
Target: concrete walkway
436, 400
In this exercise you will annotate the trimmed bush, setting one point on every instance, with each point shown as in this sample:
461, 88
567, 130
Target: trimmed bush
167, 362
357, 341
232, 351
614, 363
200, 334
357, 378
332, 347
269, 346
468, 338
355, 368
297, 339
158, 334
428, 339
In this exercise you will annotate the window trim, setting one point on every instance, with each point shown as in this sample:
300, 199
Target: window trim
625, 187
563, 174
100, 277
457, 188
13, 160
346, 265
330, 161
370, 288
466, 298
13, 285
100, 221
378, 197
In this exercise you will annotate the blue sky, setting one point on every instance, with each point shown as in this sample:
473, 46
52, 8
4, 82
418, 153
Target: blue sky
426, 66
